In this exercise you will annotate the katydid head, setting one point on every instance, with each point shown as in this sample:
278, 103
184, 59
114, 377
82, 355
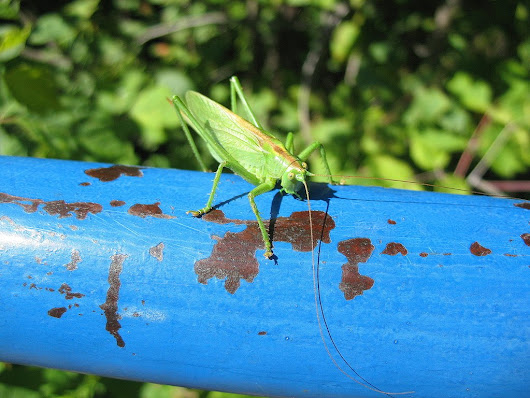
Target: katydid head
294, 177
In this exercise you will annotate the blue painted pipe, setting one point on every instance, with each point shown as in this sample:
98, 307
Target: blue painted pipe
102, 271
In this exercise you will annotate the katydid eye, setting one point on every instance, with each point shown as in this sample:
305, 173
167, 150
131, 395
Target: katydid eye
290, 175
304, 165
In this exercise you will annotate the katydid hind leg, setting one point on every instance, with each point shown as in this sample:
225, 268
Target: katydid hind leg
236, 91
181, 108
304, 155
266, 186
289, 142
208, 207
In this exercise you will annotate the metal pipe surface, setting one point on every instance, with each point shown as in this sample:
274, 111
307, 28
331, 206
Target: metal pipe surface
102, 271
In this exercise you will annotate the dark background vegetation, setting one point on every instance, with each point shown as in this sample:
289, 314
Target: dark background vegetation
393, 89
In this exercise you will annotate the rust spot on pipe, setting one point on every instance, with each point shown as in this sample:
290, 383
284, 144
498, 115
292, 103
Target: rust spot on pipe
117, 203
63, 209
234, 255
479, 250
157, 251
106, 174
54, 207
110, 306
526, 239
75, 259
391, 222
394, 248
30, 207
357, 250
142, 210
57, 312
67, 291
523, 205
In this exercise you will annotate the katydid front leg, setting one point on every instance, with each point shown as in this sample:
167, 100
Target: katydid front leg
208, 207
266, 186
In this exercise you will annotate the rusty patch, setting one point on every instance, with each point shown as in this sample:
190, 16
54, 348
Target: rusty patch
262, 333
57, 312
510, 255
30, 207
357, 250
391, 222
394, 248
75, 259
85, 184
106, 174
117, 203
54, 207
523, 205
67, 291
526, 239
143, 211
63, 209
234, 255
157, 251
479, 250
423, 254
110, 306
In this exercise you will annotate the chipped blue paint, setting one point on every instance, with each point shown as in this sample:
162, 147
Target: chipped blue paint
98, 277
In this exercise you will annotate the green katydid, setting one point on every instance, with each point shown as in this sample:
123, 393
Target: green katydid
245, 148
258, 157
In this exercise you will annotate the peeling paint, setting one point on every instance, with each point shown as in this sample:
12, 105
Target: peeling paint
234, 255
57, 312
110, 306
479, 250
391, 222
75, 259
523, 205
54, 207
143, 210
526, 239
357, 250
106, 174
117, 203
262, 333
85, 184
394, 248
423, 254
67, 291
157, 251
63, 209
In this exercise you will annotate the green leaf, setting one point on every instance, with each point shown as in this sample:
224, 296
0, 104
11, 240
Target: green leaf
474, 95
53, 28
428, 105
430, 149
386, 166
12, 41
82, 8
34, 87
9, 9
153, 113
343, 39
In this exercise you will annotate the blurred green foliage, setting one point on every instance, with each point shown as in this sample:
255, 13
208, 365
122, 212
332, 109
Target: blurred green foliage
394, 89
